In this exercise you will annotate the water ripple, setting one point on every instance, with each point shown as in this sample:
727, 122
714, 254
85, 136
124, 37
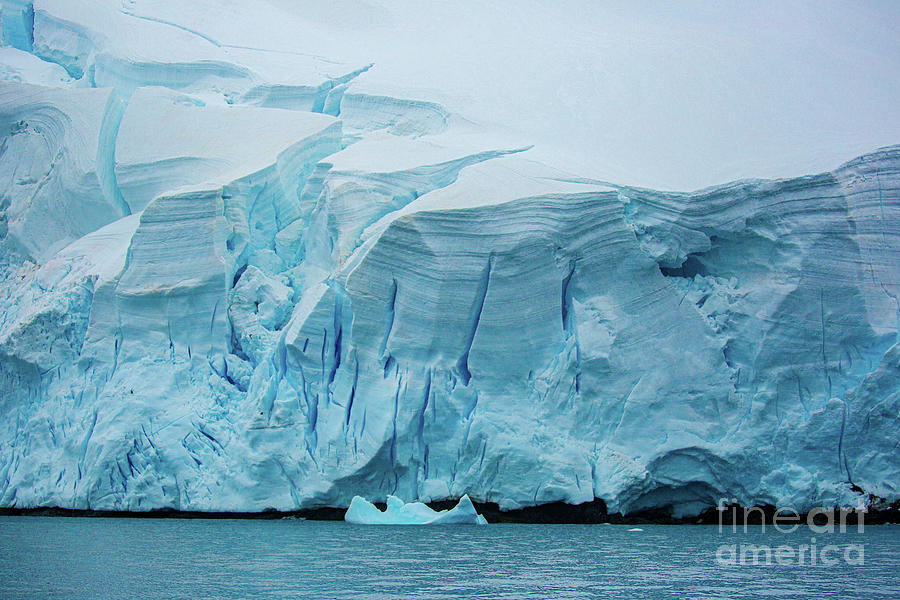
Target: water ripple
106, 559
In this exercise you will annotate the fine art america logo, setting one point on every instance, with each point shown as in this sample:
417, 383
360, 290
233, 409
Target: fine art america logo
735, 519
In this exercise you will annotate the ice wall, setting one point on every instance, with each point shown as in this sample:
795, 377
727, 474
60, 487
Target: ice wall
229, 282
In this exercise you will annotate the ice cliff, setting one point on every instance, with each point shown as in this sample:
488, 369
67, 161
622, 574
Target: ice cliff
228, 281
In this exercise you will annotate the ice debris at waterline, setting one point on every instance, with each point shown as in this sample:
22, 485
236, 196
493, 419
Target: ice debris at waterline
363, 512
234, 279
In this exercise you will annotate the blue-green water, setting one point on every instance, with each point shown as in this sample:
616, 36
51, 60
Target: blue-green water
74, 558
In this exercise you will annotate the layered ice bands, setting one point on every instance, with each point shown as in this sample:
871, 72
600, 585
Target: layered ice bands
229, 281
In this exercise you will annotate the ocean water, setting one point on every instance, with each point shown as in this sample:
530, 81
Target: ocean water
74, 558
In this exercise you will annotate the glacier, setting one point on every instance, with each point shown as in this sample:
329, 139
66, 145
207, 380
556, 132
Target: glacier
239, 279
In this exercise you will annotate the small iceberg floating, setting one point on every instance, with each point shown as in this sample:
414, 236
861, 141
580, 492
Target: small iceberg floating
363, 512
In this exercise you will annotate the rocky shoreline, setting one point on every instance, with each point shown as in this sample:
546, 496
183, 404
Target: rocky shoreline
553, 513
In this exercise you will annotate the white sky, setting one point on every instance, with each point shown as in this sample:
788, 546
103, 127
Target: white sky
671, 95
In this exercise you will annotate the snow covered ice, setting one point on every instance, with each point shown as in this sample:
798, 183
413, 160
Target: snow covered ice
274, 258
397, 512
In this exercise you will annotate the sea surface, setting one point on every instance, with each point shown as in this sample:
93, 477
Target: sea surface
99, 558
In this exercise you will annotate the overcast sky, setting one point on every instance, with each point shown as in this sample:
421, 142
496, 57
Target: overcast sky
676, 95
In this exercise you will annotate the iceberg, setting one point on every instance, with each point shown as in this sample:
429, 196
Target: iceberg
363, 512
243, 268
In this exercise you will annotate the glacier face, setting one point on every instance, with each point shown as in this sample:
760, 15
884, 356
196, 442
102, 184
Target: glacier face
230, 282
